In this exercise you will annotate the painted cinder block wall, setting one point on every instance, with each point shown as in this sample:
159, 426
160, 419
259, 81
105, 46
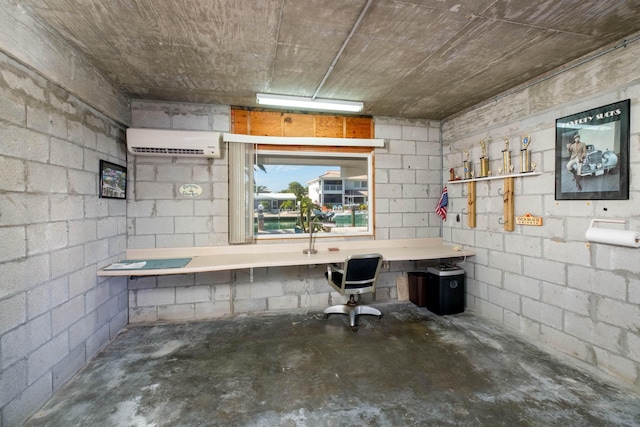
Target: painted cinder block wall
55, 313
548, 283
408, 186
55, 233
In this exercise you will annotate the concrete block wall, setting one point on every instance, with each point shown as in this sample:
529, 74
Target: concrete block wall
407, 177
158, 215
55, 313
577, 299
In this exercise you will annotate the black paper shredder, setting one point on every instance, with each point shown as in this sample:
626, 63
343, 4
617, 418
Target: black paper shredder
445, 289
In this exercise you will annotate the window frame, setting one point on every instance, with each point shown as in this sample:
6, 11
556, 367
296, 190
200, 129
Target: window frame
306, 151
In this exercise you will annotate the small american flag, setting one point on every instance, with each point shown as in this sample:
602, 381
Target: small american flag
441, 209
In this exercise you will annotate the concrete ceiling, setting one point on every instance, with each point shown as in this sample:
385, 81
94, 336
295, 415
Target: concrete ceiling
405, 58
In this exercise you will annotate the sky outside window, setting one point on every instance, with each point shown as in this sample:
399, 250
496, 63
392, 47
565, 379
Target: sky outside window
278, 177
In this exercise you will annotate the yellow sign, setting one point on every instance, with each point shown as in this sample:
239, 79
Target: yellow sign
528, 219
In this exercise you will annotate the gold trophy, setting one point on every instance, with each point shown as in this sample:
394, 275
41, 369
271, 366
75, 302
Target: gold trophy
525, 155
484, 161
506, 158
467, 166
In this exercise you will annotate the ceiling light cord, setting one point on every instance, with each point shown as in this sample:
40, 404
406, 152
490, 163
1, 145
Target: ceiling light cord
344, 45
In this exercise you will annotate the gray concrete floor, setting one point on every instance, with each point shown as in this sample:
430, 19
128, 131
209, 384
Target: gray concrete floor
409, 368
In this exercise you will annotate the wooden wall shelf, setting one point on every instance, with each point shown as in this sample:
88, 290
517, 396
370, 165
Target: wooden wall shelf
489, 178
507, 196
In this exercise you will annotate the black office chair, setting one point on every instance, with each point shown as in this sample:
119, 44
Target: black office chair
358, 276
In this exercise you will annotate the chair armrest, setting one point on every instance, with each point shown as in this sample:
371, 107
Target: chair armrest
335, 267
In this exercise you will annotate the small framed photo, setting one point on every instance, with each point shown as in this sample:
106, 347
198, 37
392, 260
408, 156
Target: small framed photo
592, 154
113, 180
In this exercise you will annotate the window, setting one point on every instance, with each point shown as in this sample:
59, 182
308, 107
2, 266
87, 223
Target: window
255, 204
312, 189
282, 192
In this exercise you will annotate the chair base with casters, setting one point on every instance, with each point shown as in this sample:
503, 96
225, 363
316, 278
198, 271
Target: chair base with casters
352, 309
358, 276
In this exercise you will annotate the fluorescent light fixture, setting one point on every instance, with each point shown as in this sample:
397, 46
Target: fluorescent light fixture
308, 103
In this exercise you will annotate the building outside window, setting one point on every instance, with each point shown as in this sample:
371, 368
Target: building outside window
332, 193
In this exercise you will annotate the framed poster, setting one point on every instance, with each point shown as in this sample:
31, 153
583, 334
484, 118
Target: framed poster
592, 154
113, 180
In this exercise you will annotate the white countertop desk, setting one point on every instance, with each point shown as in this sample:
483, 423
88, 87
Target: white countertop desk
219, 258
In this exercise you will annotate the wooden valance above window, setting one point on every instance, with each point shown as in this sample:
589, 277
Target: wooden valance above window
280, 123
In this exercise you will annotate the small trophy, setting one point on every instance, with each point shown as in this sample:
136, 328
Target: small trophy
525, 155
506, 157
467, 166
484, 161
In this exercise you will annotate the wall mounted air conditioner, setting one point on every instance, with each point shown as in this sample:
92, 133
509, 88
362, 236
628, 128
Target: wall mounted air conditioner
184, 143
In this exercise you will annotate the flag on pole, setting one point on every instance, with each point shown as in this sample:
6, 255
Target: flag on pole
441, 209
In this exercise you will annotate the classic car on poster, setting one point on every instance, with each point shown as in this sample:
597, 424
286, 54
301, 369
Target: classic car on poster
592, 154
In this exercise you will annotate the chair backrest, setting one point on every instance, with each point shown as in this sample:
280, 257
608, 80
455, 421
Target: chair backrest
361, 271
